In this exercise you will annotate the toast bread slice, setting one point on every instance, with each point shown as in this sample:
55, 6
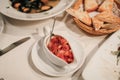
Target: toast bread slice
82, 16
110, 26
106, 5
97, 24
90, 5
108, 16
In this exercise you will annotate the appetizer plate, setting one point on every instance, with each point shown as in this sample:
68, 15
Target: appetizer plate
103, 66
44, 65
8, 10
1, 23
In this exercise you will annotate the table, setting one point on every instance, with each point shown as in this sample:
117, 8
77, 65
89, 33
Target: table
16, 65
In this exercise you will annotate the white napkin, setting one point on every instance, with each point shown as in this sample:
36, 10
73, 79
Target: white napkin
16, 65
103, 66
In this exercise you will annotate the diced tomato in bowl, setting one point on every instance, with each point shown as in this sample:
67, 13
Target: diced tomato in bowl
60, 47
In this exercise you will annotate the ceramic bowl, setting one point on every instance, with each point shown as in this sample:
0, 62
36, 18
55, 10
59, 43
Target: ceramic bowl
50, 56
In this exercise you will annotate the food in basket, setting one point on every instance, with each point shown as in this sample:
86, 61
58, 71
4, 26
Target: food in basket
106, 5
104, 16
90, 5
33, 6
83, 16
108, 16
97, 24
61, 48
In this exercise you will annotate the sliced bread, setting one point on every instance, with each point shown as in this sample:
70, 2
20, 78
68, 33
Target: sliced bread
90, 5
106, 5
97, 24
82, 16
108, 16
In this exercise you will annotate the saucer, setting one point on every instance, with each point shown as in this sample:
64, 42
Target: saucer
45, 66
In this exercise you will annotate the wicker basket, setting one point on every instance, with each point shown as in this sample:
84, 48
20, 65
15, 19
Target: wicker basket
90, 29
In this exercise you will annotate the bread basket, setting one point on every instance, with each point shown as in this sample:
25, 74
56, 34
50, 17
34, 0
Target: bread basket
91, 29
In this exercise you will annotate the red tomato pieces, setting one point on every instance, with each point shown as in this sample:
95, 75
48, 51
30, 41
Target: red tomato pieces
61, 48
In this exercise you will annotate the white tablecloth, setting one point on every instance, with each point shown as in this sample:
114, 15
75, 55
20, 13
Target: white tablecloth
16, 65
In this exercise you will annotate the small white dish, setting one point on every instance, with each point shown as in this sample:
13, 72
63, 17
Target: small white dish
102, 65
43, 64
54, 59
8, 10
1, 24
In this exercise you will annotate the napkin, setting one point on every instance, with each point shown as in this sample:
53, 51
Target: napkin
103, 66
17, 65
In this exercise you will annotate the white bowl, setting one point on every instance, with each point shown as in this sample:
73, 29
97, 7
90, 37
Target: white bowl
8, 10
56, 60
50, 56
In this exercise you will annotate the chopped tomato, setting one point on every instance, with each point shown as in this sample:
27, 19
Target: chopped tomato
60, 47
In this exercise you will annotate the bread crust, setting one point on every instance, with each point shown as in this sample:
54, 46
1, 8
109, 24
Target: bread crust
91, 30
97, 24
82, 16
108, 16
77, 4
106, 5
90, 5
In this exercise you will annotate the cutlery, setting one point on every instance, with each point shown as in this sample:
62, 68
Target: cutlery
51, 32
13, 45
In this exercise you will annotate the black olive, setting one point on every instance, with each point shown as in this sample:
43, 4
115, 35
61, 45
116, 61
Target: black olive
20, 9
35, 5
28, 5
23, 2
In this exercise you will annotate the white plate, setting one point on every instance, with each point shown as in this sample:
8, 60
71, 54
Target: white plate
8, 10
103, 66
41, 62
1, 24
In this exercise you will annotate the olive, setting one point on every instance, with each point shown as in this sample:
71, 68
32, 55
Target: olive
35, 5
28, 5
